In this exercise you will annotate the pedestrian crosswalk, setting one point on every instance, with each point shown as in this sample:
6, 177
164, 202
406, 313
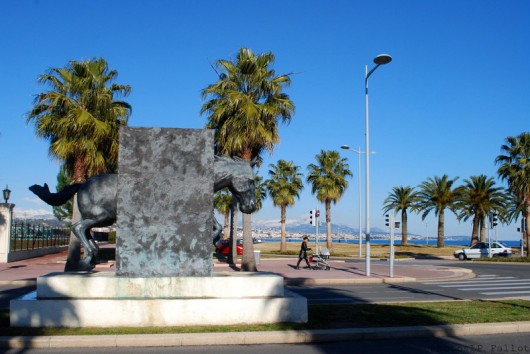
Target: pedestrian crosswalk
490, 285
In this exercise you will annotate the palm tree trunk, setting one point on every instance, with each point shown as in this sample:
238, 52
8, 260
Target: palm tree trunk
74, 245
248, 262
474, 232
329, 244
283, 245
441, 224
226, 228
404, 227
482, 230
232, 255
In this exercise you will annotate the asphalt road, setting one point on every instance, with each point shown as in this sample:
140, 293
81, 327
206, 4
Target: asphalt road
501, 343
493, 281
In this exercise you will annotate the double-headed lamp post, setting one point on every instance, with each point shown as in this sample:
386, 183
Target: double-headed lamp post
381, 59
358, 152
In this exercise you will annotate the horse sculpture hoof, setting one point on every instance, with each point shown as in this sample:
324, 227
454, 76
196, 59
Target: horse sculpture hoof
86, 264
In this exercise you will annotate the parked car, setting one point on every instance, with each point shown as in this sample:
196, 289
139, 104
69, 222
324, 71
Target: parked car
481, 249
224, 247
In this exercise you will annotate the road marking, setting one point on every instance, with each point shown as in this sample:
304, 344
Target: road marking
496, 288
483, 285
474, 280
499, 283
506, 292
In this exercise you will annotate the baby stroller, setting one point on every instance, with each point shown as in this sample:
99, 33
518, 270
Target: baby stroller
321, 258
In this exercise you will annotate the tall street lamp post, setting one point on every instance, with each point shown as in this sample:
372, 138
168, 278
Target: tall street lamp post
381, 59
358, 152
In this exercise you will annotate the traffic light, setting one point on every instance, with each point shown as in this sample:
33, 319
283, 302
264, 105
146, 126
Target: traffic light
387, 220
312, 218
397, 224
317, 213
494, 220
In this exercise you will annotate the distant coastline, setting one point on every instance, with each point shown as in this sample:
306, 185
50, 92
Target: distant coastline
432, 241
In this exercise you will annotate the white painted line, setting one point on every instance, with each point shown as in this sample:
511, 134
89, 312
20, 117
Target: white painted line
500, 282
513, 282
496, 288
506, 292
465, 281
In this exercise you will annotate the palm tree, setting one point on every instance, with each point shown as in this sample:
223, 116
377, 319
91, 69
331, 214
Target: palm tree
261, 192
401, 199
244, 107
81, 116
478, 197
328, 180
63, 212
222, 201
437, 194
284, 185
515, 169
514, 209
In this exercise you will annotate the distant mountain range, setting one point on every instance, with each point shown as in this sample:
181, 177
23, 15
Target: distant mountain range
310, 229
343, 229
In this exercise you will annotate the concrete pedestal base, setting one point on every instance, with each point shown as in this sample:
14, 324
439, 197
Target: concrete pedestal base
103, 300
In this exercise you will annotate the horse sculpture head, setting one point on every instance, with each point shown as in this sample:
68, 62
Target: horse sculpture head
236, 175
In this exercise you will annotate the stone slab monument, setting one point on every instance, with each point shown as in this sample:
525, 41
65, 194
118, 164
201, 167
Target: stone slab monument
164, 202
164, 268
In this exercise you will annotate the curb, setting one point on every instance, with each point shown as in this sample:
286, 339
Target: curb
248, 338
312, 281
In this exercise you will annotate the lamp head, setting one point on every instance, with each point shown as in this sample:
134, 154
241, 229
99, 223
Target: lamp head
382, 59
345, 147
7, 194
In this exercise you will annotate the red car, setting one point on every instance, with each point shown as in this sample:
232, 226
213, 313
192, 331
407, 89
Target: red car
224, 247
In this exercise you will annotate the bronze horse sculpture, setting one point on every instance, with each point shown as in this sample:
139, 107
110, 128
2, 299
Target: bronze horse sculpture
97, 199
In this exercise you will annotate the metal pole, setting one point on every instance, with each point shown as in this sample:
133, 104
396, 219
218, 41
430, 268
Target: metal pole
488, 225
316, 231
367, 149
392, 225
360, 205
379, 60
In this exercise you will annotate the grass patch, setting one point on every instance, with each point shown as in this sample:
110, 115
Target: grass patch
331, 317
271, 249
423, 313
349, 250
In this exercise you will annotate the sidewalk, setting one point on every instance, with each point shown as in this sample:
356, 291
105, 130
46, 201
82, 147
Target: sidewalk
342, 271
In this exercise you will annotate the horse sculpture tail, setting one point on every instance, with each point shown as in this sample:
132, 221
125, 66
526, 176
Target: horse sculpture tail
55, 199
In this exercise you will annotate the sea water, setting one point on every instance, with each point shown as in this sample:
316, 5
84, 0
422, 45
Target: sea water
397, 241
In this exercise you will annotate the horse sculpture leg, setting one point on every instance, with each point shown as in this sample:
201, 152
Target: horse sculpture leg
81, 230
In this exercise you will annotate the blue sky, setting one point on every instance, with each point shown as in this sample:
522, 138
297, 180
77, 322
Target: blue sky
459, 83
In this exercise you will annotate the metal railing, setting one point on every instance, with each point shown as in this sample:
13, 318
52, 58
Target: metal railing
29, 237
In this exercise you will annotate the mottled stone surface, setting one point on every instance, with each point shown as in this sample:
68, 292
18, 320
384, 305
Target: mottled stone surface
104, 285
165, 202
